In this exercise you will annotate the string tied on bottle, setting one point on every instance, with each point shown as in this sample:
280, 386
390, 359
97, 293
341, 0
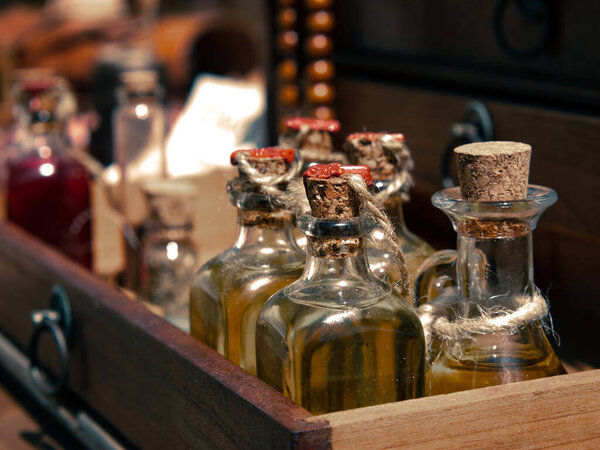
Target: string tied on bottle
370, 204
436, 324
292, 198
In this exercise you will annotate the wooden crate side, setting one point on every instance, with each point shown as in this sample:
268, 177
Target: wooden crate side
157, 385
556, 411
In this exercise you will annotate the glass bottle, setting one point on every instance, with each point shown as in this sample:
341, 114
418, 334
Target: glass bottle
228, 291
29, 84
139, 131
339, 337
168, 253
389, 159
494, 272
48, 189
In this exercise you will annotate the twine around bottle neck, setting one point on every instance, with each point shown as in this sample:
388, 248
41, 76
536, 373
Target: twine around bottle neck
285, 190
437, 325
372, 205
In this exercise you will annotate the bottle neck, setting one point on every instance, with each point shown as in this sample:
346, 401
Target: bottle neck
133, 95
393, 207
265, 228
494, 271
336, 260
46, 139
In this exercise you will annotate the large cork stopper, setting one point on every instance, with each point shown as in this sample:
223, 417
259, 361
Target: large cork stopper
493, 171
329, 194
382, 153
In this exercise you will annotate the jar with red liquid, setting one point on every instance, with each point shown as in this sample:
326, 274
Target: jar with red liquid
48, 189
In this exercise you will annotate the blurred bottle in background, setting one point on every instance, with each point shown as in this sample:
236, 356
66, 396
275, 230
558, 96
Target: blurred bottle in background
139, 133
168, 253
48, 188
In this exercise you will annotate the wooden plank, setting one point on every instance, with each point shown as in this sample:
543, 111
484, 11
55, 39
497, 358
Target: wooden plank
557, 411
157, 385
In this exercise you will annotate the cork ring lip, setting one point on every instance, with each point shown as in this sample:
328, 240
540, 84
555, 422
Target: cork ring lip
336, 228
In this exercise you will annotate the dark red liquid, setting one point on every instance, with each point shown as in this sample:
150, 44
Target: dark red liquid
50, 198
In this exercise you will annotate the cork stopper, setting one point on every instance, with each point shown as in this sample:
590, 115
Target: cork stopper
330, 195
380, 152
493, 171
272, 161
313, 137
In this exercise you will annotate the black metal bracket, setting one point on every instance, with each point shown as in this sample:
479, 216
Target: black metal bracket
476, 125
57, 320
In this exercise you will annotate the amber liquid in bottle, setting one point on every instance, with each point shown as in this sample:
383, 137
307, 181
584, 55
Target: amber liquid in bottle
490, 360
340, 338
228, 291
491, 274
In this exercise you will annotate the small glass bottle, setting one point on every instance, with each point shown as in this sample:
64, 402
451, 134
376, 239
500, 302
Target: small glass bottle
139, 132
229, 290
339, 337
494, 274
389, 159
314, 139
17, 139
48, 189
168, 253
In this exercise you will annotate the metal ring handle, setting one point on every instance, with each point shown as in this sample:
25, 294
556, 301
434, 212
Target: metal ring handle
47, 384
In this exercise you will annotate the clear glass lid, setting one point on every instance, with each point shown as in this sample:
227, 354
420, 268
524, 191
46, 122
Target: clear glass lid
525, 211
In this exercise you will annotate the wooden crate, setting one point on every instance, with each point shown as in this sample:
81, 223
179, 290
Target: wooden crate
162, 389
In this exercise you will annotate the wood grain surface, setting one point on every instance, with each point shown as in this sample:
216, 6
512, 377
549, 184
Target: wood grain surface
561, 411
158, 386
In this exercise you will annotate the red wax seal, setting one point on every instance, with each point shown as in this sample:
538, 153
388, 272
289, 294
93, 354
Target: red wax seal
295, 123
268, 152
372, 136
335, 170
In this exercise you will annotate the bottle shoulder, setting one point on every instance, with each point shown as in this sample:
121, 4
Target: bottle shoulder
242, 264
409, 241
29, 166
371, 301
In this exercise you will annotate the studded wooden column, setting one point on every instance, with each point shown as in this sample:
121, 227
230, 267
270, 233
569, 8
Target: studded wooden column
303, 71
286, 60
319, 70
